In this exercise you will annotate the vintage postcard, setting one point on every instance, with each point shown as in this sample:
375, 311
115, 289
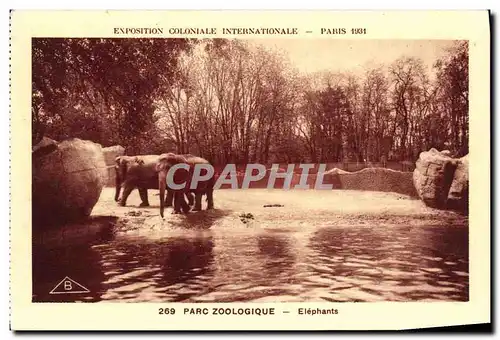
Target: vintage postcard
260, 170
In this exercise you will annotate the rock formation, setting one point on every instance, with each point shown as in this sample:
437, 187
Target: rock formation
458, 196
435, 175
67, 181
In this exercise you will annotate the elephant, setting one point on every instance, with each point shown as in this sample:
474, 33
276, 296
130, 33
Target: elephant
139, 172
165, 162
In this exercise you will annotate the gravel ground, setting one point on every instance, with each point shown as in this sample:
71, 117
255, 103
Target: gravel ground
246, 210
306, 206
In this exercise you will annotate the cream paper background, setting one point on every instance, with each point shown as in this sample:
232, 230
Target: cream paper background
467, 25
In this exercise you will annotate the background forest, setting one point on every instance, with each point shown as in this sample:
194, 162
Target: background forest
234, 102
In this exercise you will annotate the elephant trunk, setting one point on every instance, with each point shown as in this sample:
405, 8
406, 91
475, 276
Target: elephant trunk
162, 182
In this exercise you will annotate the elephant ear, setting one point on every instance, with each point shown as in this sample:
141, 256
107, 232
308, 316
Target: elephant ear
165, 160
160, 166
121, 165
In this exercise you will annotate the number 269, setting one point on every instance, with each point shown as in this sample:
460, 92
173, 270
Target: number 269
166, 311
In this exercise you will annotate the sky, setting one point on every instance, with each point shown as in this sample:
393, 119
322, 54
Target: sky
313, 55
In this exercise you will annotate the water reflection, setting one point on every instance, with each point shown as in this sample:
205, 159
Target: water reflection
277, 255
139, 270
365, 264
224, 265
201, 220
67, 252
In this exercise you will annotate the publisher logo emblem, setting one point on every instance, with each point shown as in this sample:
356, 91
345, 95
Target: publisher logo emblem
68, 286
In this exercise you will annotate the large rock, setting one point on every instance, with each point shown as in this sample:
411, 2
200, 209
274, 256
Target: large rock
433, 177
110, 154
67, 182
458, 196
44, 147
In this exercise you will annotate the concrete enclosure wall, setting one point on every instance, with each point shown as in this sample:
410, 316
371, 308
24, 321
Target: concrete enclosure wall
376, 179
369, 179
110, 153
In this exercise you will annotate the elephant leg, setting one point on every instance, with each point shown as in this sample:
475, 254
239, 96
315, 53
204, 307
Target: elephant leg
190, 198
210, 199
197, 204
118, 187
170, 198
177, 202
180, 204
143, 192
117, 192
184, 206
126, 192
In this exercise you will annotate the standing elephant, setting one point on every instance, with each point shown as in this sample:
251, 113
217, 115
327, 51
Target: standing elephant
206, 187
139, 172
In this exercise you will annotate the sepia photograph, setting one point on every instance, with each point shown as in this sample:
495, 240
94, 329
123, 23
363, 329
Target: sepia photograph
249, 170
